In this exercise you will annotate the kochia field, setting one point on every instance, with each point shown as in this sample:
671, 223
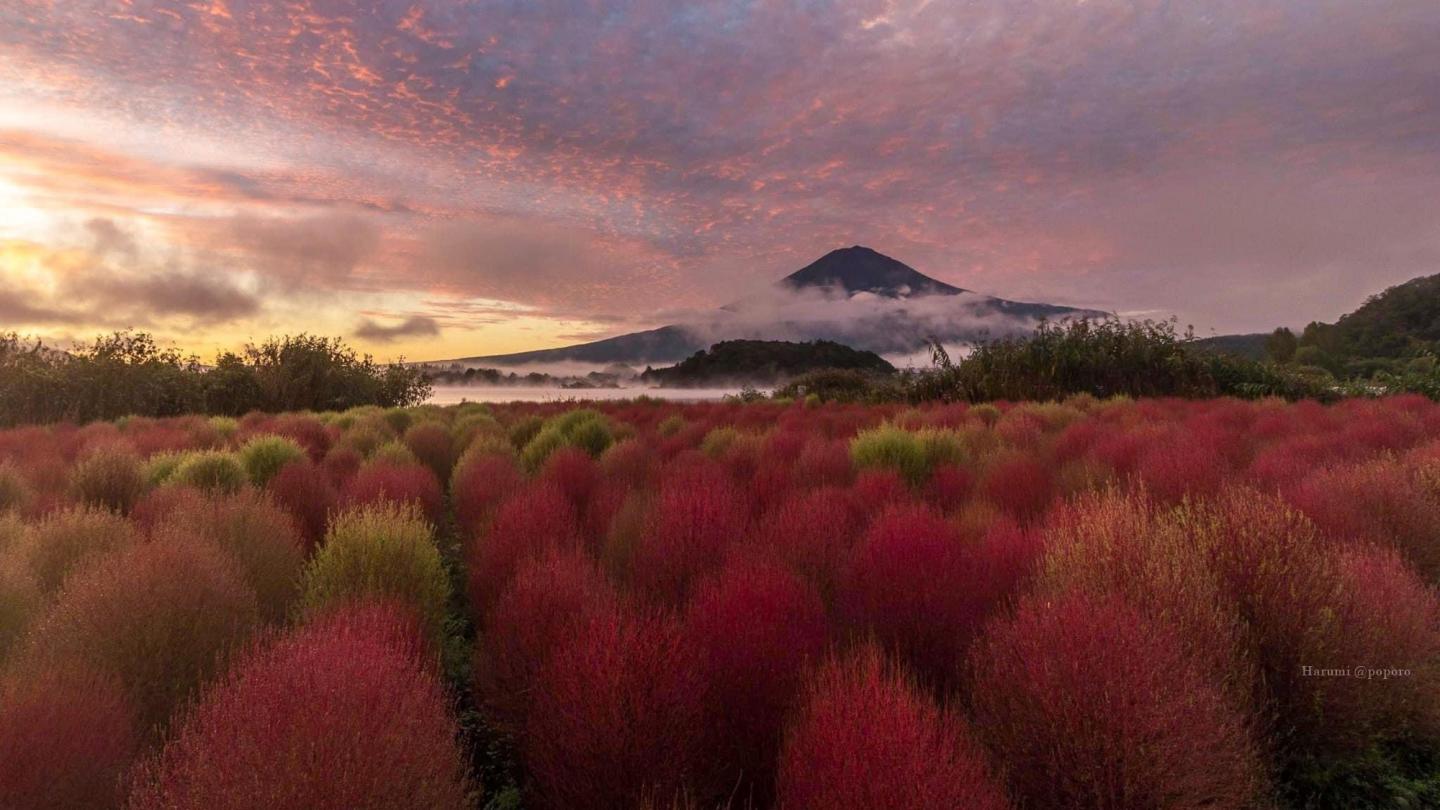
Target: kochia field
1084, 604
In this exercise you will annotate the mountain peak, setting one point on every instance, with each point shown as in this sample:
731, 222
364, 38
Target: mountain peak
862, 269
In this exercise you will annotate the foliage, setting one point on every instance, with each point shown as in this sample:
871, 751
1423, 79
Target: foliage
352, 717
381, 551
1102, 358
160, 616
61, 542
260, 539
1089, 705
865, 737
264, 456
129, 373
209, 470
764, 362
66, 737
110, 476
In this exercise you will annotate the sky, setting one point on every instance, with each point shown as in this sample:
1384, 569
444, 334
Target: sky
445, 178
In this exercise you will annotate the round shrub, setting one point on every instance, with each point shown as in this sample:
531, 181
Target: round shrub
1089, 705
583, 428
1181, 464
160, 502
19, 599
161, 466
15, 492
57, 545
874, 491
341, 464
406, 484
616, 715
394, 452
305, 492
1379, 502
1109, 544
812, 532
478, 485
257, 535
548, 601
211, 471
866, 738
758, 626
890, 448
340, 713
574, 472
109, 476
381, 551
160, 616
922, 590
1020, 485
539, 448
430, 443
264, 456
697, 514
67, 735
521, 431
536, 521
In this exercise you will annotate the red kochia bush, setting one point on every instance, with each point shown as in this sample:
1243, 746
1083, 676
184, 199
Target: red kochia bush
66, 737
341, 464
398, 483
812, 532
949, 486
824, 463
865, 738
536, 521
1388, 615
757, 626
697, 514
341, 713
305, 492
617, 715
1088, 705
1181, 464
162, 501
478, 485
1020, 485
574, 472
538, 613
921, 589
1380, 502
877, 490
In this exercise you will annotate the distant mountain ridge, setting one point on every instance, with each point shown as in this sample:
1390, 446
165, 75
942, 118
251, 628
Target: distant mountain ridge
855, 296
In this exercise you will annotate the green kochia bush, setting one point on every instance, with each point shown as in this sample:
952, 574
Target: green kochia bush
263, 456
581, 428
384, 551
211, 471
913, 454
15, 494
260, 539
56, 546
159, 467
110, 476
160, 616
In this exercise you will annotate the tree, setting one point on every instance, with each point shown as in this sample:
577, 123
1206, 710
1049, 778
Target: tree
1281, 345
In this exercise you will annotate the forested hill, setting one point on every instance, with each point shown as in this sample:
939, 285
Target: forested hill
763, 362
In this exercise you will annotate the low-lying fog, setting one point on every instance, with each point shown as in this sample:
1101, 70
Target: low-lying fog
455, 394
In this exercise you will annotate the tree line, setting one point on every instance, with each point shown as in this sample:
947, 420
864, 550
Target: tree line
128, 373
